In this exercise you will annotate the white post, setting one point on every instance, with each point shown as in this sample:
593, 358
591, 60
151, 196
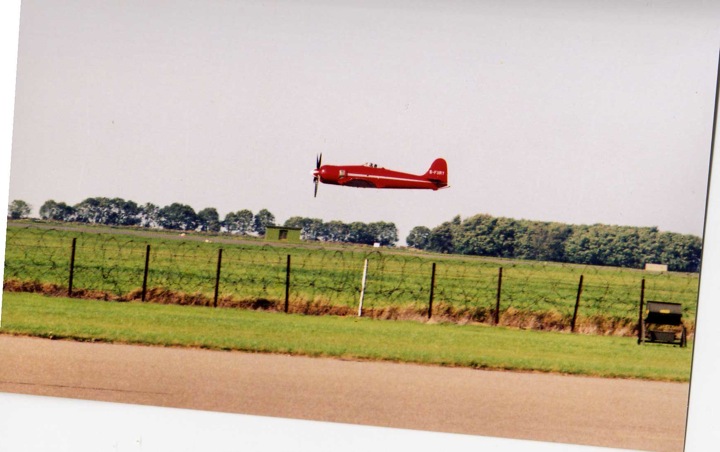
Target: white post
362, 290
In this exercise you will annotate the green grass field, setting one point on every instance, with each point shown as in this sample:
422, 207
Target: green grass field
477, 346
111, 261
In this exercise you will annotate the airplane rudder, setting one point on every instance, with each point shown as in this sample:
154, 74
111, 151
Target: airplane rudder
438, 170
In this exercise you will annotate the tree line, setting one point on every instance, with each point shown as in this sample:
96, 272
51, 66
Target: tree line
121, 212
381, 232
619, 246
480, 235
182, 217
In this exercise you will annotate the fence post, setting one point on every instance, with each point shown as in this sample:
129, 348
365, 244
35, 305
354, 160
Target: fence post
72, 267
145, 273
641, 324
362, 288
497, 297
432, 290
287, 284
217, 278
577, 303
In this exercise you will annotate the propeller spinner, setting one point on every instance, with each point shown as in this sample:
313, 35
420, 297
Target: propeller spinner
316, 173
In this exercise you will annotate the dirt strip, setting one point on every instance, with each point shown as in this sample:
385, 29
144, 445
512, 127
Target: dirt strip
617, 413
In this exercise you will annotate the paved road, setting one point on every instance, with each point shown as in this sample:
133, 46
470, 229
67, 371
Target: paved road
591, 411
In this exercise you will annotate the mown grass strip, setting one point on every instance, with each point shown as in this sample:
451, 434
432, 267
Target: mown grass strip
477, 346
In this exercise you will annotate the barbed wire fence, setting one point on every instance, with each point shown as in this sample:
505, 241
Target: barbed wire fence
537, 295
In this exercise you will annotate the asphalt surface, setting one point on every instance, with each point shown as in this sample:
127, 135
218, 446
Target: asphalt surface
618, 413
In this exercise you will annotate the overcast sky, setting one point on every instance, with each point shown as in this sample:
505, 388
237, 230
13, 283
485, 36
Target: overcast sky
572, 111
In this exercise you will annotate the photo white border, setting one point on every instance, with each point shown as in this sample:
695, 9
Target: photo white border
43, 423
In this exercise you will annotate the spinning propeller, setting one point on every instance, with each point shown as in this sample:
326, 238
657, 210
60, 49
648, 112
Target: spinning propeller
316, 173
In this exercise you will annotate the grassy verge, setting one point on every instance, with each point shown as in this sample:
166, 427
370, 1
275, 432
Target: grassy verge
477, 346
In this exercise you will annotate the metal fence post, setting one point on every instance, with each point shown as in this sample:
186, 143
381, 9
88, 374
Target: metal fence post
432, 291
145, 273
577, 303
497, 297
641, 324
287, 284
72, 267
217, 278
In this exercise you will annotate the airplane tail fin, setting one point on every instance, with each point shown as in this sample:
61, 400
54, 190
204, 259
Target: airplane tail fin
438, 172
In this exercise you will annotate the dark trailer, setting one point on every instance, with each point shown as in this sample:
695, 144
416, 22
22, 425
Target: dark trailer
663, 323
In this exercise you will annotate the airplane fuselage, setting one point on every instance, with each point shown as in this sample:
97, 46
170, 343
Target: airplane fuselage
370, 177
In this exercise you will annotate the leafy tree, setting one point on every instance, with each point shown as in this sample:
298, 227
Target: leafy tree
552, 248
680, 252
633, 247
315, 229
245, 221
597, 244
18, 209
442, 238
419, 237
262, 220
128, 213
239, 222
58, 211
623, 246
359, 232
209, 220
336, 231
295, 222
149, 215
476, 236
649, 247
692, 253
542, 241
230, 222
532, 238
178, 216
115, 211
584, 246
312, 228
384, 233
88, 210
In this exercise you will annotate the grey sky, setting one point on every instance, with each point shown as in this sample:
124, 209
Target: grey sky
572, 111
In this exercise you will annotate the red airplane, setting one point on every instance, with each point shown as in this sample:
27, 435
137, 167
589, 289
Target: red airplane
370, 175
